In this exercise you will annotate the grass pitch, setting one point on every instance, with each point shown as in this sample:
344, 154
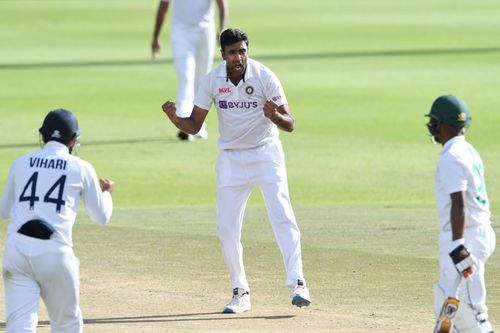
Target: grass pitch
359, 78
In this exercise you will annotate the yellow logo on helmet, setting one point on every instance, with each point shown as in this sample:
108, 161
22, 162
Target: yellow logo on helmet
462, 116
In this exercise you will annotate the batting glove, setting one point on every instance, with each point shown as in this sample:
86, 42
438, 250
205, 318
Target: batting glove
465, 263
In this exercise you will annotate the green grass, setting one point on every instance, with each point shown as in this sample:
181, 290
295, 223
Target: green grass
359, 77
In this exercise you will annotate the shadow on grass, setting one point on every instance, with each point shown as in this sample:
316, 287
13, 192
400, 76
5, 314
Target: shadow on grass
183, 317
100, 142
292, 56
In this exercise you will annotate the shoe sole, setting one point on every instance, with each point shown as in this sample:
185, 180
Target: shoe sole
228, 310
300, 302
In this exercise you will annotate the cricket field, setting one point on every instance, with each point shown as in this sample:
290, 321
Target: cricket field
359, 77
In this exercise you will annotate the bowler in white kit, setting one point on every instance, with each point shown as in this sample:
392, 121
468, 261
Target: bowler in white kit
466, 238
42, 196
193, 39
251, 107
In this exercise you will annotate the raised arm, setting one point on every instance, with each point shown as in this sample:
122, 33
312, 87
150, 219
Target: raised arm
192, 124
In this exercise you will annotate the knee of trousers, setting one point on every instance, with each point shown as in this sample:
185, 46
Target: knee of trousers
68, 325
227, 232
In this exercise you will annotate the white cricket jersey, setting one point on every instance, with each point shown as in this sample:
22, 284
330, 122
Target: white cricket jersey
460, 169
47, 185
191, 13
240, 108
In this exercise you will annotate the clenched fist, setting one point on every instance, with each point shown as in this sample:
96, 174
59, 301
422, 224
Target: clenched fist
106, 184
170, 110
270, 109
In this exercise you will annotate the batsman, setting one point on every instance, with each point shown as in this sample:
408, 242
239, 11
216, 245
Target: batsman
466, 240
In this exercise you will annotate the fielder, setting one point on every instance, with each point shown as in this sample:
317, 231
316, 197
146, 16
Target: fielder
251, 107
42, 196
193, 47
467, 239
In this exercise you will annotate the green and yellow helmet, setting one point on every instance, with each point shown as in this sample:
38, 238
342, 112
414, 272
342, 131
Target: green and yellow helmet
450, 110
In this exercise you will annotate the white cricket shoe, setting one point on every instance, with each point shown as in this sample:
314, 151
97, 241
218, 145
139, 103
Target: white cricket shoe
239, 303
300, 296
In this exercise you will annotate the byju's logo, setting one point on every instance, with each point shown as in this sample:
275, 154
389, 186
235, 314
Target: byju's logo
237, 105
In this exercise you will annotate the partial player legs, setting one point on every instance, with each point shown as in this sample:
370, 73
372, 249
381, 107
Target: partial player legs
473, 312
231, 203
183, 52
22, 292
59, 273
285, 229
191, 65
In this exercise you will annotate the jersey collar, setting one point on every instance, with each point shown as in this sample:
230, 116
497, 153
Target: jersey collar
449, 143
247, 75
55, 146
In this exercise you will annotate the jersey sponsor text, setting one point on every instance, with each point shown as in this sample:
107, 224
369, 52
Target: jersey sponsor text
237, 105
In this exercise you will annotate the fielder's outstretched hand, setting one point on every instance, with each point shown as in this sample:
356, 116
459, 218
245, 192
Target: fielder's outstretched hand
465, 263
107, 184
170, 110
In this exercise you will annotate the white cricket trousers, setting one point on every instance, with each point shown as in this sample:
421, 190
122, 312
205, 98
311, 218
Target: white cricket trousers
193, 52
238, 171
480, 241
34, 268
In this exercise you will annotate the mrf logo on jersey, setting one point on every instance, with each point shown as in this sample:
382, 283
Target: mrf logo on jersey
237, 105
224, 90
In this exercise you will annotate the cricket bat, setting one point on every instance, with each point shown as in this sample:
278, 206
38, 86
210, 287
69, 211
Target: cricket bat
446, 318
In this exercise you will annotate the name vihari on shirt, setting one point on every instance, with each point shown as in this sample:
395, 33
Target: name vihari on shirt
37, 162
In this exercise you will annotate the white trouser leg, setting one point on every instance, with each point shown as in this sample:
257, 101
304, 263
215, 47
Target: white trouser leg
204, 58
286, 231
231, 202
480, 241
21, 292
204, 55
59, 276
270, 175
183, 51
193, 53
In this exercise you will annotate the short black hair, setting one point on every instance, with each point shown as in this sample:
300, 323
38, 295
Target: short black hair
231, 36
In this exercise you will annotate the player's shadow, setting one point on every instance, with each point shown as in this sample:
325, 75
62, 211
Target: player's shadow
207, 316
182, 317
164, 139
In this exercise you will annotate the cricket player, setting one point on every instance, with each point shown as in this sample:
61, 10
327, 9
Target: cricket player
193, 46
467, 239
42, 196
251, 107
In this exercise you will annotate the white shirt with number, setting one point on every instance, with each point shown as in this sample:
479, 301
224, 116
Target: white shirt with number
460, 169
191, 13
47, 185
240, 108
